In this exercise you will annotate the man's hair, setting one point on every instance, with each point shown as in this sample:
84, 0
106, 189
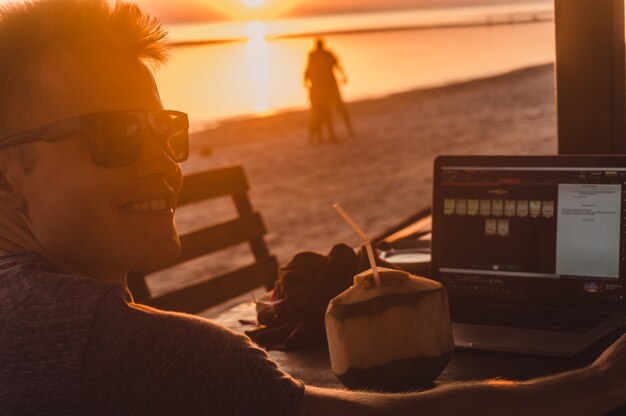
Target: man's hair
35, 32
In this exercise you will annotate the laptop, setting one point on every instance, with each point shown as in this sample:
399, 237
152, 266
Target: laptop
531, 250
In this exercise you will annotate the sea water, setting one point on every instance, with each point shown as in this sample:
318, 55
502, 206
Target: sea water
258, 69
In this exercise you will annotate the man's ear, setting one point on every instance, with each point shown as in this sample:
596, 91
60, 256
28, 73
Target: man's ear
10, 197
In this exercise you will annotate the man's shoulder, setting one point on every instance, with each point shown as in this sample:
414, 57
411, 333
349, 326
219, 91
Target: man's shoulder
150, 353
45, 322
33, 288
329, 55
14, 262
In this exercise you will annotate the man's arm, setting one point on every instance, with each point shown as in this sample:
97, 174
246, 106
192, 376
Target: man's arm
306, 78
344, 77
593, 390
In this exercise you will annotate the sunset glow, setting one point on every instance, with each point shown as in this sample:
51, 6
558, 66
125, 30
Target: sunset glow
253, 9
253, 3
253, 65
258, 65
256, 30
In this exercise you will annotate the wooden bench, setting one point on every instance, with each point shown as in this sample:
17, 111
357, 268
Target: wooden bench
247, 227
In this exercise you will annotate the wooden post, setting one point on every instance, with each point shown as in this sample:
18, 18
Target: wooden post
590, 76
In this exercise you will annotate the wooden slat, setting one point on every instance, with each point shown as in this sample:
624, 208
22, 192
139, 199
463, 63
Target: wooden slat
409, 221
208, 293
248, 227
209, 240
221, 236
418, 228
136, 283
214, 183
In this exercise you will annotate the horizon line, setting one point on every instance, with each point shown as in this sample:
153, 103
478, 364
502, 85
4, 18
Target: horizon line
535, 18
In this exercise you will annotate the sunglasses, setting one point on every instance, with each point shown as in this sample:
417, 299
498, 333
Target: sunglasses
116, 138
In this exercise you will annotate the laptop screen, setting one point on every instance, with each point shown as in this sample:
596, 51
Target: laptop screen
549, 231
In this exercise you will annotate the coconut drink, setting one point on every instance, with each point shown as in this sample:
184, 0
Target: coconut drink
391, 333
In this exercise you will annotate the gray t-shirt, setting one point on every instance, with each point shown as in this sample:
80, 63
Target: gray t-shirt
72, 345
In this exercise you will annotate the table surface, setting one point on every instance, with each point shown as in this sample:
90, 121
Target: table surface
313, 365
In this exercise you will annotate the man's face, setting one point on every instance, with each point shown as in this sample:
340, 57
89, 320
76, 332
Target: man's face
89, 217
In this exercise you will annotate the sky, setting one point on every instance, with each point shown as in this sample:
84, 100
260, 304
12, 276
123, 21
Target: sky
181, 11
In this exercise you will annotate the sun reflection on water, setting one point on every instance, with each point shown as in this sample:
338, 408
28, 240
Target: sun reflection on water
258, 64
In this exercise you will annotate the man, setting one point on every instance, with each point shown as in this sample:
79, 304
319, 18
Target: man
324, 93
89, 194
89, 177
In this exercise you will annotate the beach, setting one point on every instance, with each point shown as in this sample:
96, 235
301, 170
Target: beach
380, 177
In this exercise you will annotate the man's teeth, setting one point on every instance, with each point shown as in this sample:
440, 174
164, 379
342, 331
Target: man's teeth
147, 206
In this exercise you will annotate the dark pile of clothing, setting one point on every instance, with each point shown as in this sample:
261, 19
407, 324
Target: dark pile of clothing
294, 316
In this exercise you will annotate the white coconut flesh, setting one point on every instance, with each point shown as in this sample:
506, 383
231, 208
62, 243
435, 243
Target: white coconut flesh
413, 321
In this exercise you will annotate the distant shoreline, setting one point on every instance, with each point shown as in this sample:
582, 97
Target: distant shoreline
307, 9
200, 129
530, 18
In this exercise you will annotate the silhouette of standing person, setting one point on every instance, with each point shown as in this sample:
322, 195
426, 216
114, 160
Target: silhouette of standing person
324, 93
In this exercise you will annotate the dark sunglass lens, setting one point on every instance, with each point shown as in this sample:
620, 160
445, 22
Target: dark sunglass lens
114, 139
172, 132
177, 146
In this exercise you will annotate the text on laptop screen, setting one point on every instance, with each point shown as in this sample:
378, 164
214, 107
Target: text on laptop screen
502, 227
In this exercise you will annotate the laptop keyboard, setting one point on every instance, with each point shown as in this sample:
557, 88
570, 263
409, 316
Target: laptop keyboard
542, 319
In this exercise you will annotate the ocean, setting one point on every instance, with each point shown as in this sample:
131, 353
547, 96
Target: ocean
244, 69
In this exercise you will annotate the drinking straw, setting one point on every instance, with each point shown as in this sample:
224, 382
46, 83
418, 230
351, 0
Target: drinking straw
366, 241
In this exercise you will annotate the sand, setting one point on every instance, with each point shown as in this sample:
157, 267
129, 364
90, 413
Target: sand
381, 177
